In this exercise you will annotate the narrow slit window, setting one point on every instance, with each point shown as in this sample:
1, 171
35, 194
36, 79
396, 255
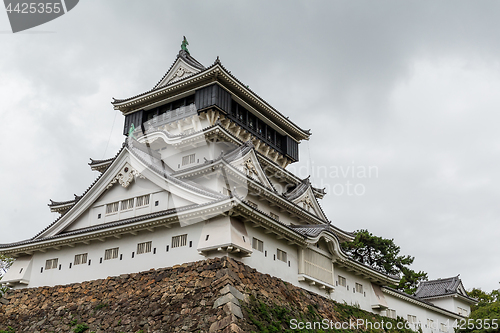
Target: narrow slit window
111, 254
178, 241
144, 247
51, 263
80, 259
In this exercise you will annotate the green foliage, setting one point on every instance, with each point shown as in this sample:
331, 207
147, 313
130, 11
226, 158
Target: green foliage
101, 306
485, 311
8, 330
5, 263
80, 328
73, 322
274, 318
383, 255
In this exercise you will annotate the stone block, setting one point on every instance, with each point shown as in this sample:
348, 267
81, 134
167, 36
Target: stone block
234, 309
221, 324
230, 289
225, 299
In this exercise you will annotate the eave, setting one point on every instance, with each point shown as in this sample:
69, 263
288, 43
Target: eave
215, 73
100, 165
219, 131
422, 303
267, 193
466, 299
119, 228
360, 269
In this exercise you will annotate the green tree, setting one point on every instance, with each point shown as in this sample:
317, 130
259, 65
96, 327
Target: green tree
5, 263
485, 313
383, 255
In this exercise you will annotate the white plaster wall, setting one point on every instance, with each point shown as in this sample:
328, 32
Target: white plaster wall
445, 303
118, 193
172, 156
346, 295
266, 262
404, 308
161, 237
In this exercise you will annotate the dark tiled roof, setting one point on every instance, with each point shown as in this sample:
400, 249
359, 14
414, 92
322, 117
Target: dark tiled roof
217, 62
111, 224
94, 162
420, 300
441, 287
310, 230
298, 190
61, 203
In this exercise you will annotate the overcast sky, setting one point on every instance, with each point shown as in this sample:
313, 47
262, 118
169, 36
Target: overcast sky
408, 89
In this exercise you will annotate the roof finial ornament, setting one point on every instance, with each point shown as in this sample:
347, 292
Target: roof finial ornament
184, 45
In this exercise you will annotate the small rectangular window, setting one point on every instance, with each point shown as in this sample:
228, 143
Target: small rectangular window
281, 255
430, 323
128, 204
51, 263
444, 327
189, 159
144, 247
391, 313
178, 241
342, 281
359, 288
111, 253
275, 216
412, 319
252, 204
80, 259
142, 201
258, 245
112, 208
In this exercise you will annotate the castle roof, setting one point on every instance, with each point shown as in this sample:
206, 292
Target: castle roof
441, 288
192, 72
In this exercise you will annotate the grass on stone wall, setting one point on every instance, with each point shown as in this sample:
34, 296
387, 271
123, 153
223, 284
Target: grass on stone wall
270, 318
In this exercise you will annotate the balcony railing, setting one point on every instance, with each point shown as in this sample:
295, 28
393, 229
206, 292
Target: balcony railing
170, 116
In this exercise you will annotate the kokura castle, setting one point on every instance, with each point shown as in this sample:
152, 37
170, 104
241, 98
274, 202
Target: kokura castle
202, 174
